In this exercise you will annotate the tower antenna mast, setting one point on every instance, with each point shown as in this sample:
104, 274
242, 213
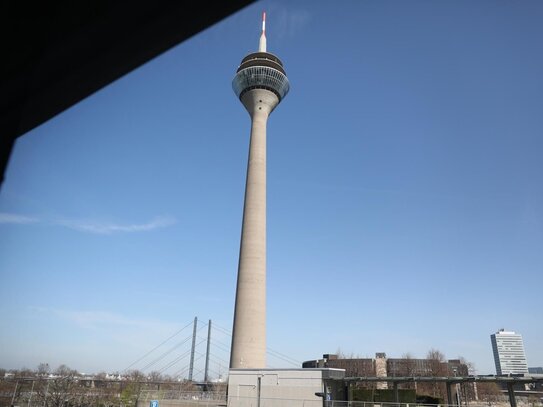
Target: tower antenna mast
262, 44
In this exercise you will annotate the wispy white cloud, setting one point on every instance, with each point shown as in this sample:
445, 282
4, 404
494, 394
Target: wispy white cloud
92, 226
100, 319
14, 218
107, 228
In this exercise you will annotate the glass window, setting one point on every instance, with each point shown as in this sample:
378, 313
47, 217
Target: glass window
263, 77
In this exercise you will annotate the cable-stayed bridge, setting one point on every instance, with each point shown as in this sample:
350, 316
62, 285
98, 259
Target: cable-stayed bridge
197, 352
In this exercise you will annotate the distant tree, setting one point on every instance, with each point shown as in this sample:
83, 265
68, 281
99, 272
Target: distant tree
470, 366
468, 390
25, 372
436, 359
436, 366
60, 391
136, 376
187, 386
168, 378
343, 355
155, 376
43, 369
489, 392
408, 369
64, 370
217, 387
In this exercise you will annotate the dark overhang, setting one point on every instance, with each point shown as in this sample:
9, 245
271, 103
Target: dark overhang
55, 54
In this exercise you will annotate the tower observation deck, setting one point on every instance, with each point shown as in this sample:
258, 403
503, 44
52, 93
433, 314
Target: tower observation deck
260, 83
261, 70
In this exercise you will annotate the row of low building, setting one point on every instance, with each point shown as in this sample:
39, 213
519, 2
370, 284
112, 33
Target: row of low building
381, 366
507, 347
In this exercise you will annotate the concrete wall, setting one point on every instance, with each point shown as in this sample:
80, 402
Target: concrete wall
381, 371
280, 388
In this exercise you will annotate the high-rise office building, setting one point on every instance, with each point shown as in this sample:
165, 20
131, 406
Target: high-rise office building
509, 355
260, 84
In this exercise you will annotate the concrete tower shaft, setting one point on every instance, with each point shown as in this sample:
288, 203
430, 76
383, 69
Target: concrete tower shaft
261, 84
249, 331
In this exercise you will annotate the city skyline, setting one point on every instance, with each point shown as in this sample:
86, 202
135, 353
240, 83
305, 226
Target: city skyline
405, 204
507, 346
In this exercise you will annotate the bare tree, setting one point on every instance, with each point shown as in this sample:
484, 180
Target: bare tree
468, 390
155, 376
342, 355
26, 372
61, 390
408, 369
470, 366
436, 359
436, 366
187, 386
136, 376
489, 392
43, 369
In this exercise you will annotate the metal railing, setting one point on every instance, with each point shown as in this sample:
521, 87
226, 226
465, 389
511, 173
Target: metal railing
281, 402
502, 403
235, 401
340, 403
195, 396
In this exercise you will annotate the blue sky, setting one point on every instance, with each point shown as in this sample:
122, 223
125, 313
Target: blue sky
405, 193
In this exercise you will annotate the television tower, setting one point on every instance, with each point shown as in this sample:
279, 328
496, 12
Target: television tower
260, 83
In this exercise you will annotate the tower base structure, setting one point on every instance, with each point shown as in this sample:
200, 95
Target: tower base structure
284, 387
